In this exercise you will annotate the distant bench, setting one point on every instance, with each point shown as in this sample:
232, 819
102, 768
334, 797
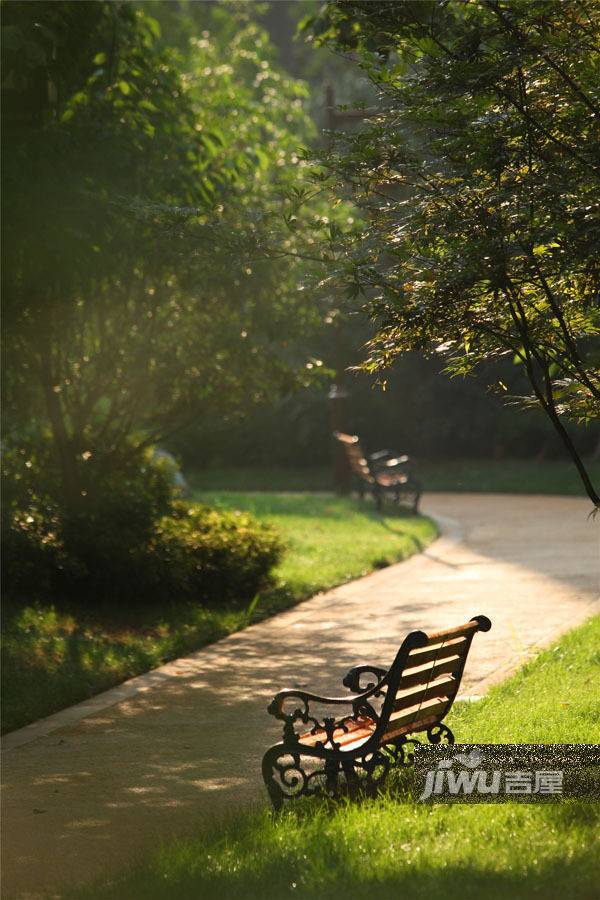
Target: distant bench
382, 473
334, 754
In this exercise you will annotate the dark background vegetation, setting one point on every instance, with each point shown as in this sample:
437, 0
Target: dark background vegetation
423, 409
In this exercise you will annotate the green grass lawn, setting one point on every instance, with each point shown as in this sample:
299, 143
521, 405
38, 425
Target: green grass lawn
53, 657
495, 476
390, 849
330, 539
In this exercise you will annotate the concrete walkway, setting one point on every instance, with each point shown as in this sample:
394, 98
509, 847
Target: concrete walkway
93, 788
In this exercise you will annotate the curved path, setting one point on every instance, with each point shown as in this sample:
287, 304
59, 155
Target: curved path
93, 788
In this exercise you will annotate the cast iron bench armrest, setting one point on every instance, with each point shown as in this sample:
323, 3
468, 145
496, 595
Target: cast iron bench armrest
301, 711
275, 707
326, 725
351, 679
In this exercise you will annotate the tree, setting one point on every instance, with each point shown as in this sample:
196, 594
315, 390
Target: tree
478, 182
130, 306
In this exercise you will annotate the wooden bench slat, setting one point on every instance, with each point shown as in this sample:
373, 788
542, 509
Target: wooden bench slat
415, 714
358, 728
443, 687
410, 708
413, 727
460, 631
419, 655
413, 719
389, 479
427, 672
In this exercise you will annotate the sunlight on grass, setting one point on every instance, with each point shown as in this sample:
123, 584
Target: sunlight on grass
330, 539
387, 848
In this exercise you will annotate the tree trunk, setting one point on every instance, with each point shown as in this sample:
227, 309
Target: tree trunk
63, 444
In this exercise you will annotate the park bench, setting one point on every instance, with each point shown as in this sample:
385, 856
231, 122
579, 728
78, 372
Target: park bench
383, 473
341, 754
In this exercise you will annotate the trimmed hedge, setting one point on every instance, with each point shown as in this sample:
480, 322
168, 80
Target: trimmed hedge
129, 540
200, 553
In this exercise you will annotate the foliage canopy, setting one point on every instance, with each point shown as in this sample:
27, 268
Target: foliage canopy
478, 179
130, 304
138, 181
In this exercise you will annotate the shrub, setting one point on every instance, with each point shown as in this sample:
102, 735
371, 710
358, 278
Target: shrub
211, 555
128, 538
32, 549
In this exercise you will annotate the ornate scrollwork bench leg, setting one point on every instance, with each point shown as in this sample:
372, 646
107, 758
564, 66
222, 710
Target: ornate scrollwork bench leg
332, 769
289, 774
440, 734
291, 778
352, 781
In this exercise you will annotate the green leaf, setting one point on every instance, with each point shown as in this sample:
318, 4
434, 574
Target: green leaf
152, 26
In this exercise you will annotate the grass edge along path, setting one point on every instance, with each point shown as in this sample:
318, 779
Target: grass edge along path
388, 849
53, 659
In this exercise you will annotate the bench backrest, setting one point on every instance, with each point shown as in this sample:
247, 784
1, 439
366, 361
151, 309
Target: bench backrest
426, 674
356, 457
